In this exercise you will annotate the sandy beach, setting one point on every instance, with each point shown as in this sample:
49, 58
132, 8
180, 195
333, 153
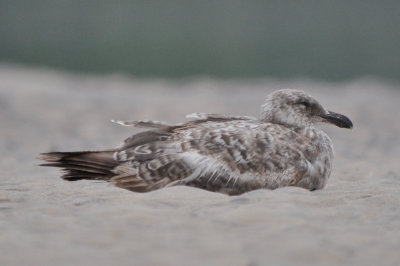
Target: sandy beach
45, 220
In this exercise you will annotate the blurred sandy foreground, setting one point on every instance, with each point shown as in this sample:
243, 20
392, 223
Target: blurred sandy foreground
44, 220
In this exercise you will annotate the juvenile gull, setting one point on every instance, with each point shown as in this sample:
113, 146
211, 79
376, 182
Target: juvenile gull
228, 154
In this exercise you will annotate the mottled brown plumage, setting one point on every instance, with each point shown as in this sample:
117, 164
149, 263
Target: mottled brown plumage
228, 154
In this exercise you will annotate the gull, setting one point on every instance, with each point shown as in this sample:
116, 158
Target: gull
227, 154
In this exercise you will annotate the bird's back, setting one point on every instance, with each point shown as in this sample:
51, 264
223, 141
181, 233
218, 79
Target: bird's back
227, 156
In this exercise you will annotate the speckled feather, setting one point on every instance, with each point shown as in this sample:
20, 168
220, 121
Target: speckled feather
228, 154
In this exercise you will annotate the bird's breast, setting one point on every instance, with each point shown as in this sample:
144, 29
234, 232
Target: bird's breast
319, 155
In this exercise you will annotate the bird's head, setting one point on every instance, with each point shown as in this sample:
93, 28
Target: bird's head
297, 108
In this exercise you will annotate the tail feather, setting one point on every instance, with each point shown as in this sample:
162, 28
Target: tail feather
74, 175
71, 166
94, 165
98, 167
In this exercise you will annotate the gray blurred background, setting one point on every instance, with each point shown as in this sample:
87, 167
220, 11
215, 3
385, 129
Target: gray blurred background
327, 40
67, 67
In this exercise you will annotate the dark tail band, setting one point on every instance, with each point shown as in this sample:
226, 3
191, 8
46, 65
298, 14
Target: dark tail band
94, 165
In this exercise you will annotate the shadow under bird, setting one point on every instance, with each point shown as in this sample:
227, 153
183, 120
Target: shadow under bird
227, 154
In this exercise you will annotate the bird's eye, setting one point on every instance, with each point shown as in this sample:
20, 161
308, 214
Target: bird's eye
306, 104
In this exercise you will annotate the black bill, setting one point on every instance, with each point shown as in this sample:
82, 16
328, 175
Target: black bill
338, 120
